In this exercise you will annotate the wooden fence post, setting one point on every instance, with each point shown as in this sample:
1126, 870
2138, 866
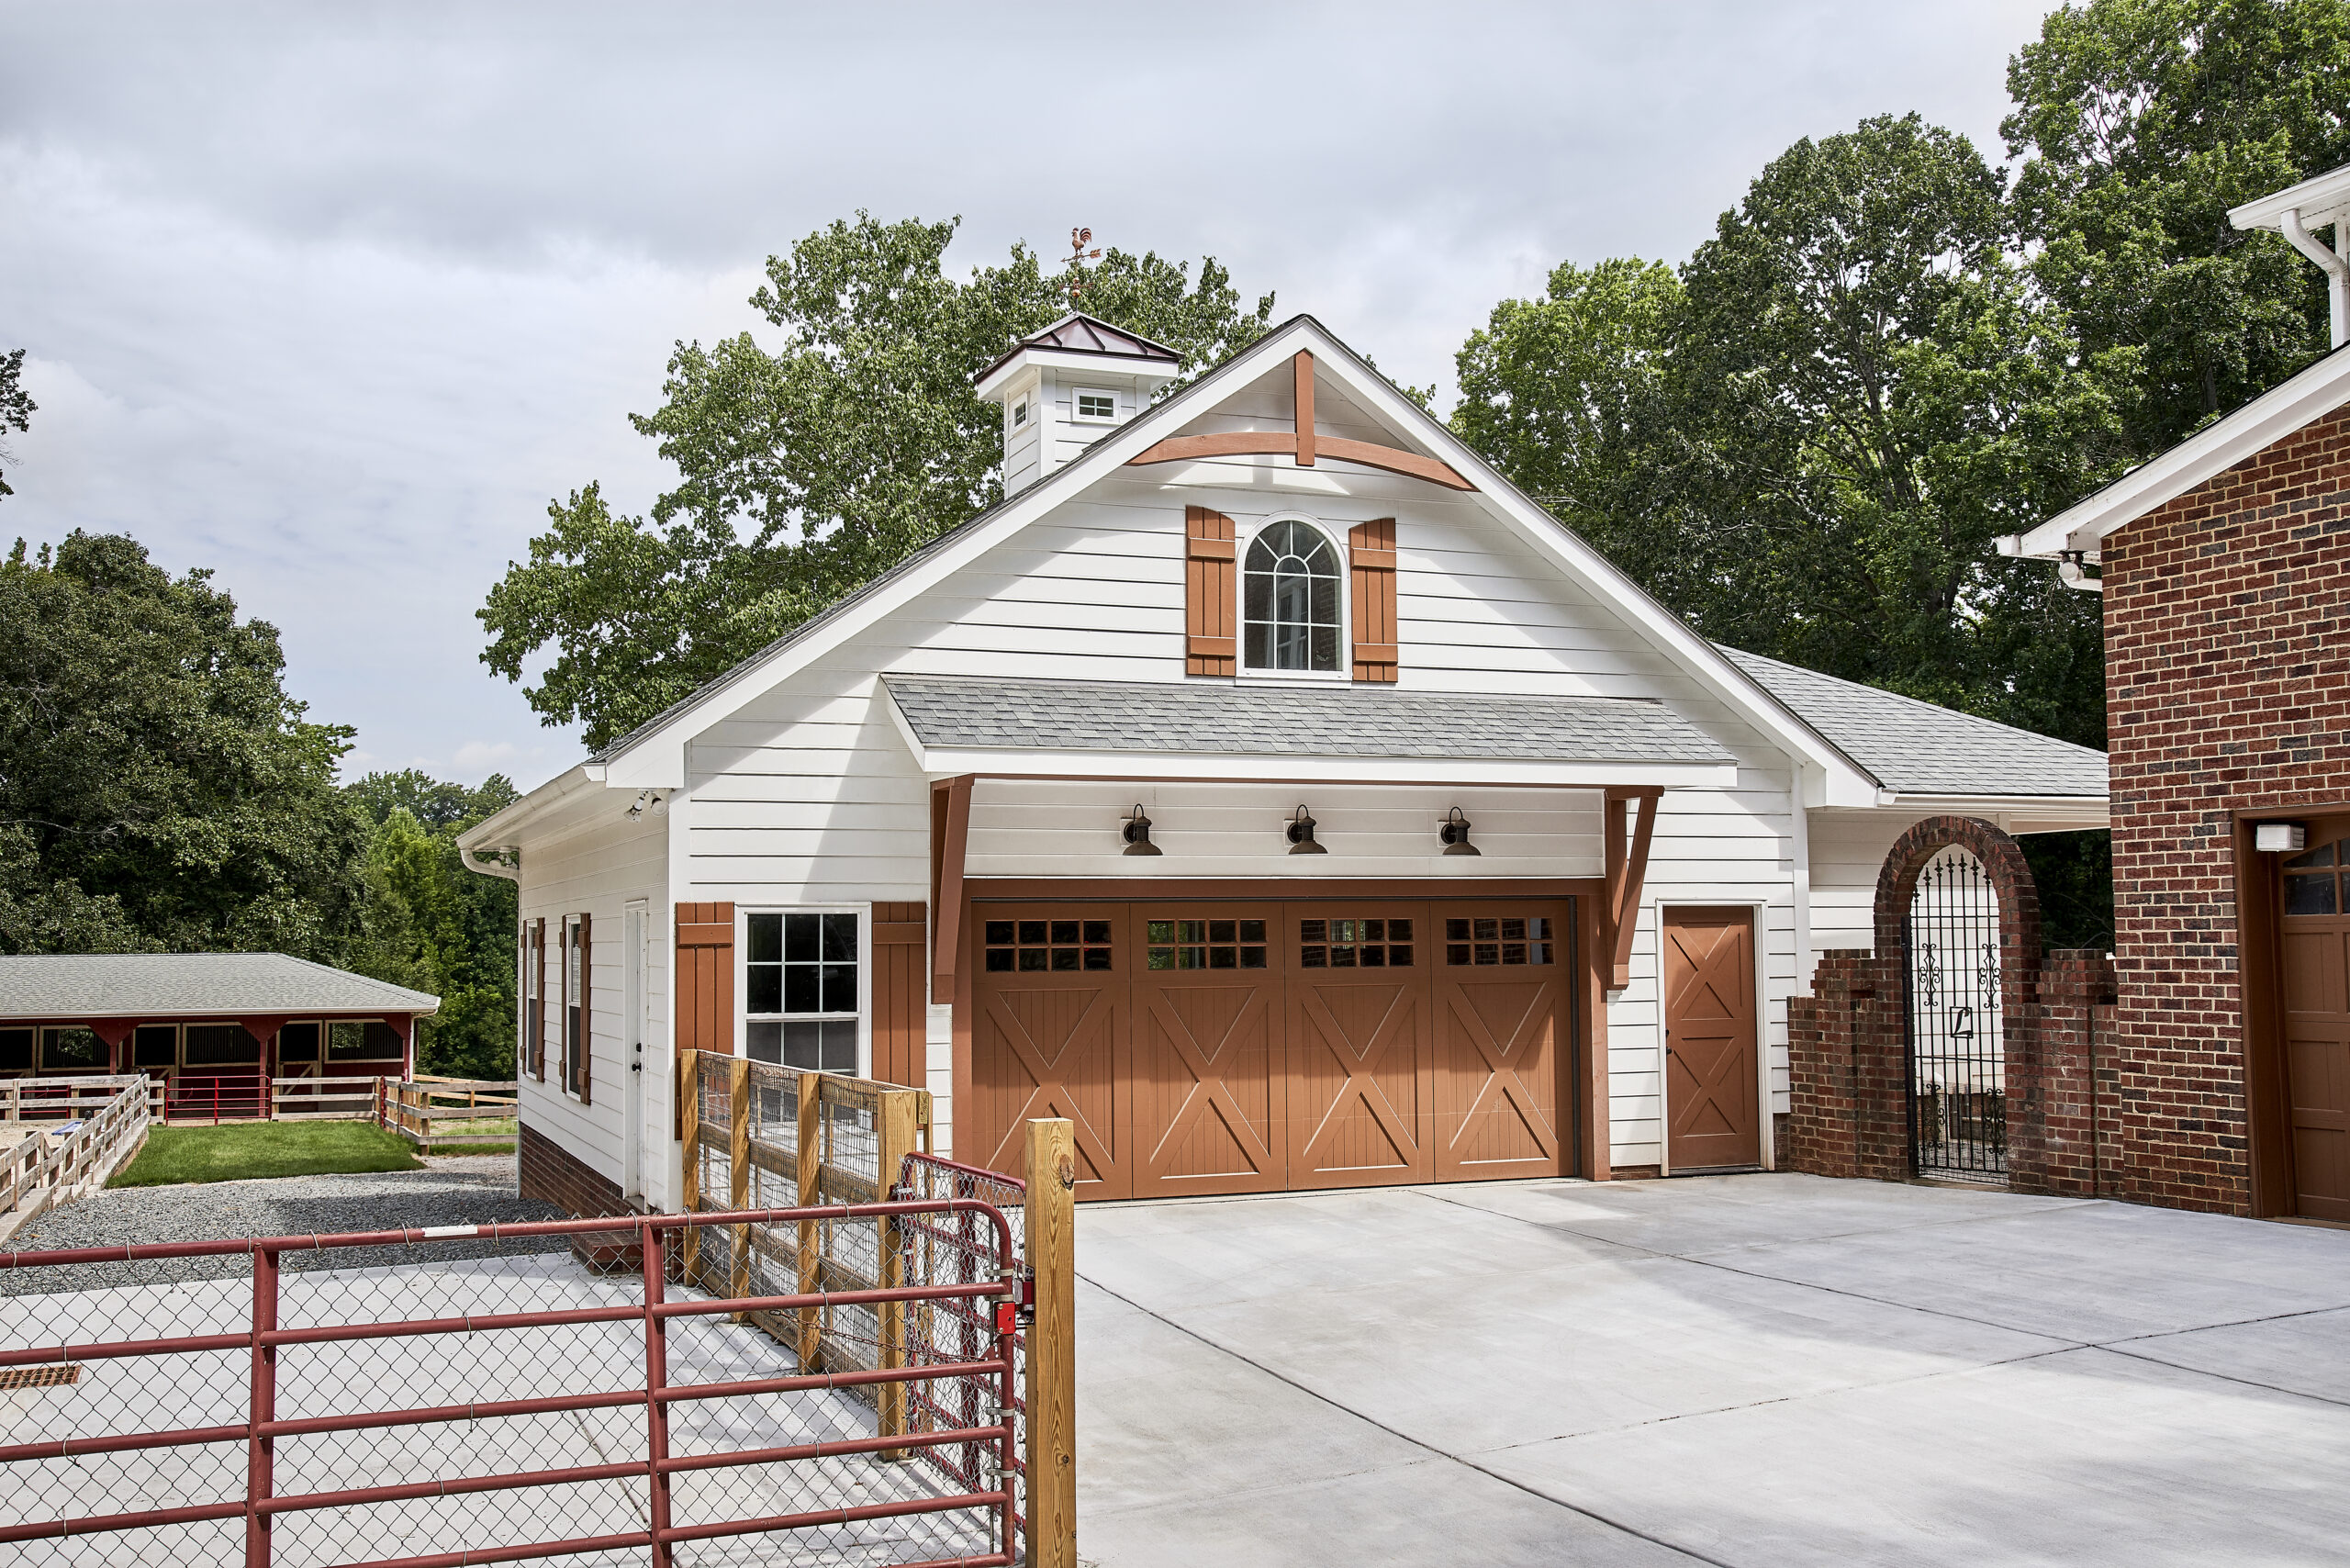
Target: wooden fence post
811, 1138
895, 1121
690, 1132
1052, 1344
738, 1170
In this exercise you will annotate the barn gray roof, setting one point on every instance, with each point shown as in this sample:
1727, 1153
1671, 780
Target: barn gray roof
191, 985
1918, 749
1277, 721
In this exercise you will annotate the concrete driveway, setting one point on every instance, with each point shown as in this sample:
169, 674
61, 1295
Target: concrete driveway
1743, 1370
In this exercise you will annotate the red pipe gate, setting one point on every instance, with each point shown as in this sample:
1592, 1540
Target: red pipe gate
308, 1403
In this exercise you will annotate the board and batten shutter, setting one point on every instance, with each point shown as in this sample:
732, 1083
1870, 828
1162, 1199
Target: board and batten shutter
587, 1001
1211, 603
1371, 551
538, 1001
706, 978
900, 993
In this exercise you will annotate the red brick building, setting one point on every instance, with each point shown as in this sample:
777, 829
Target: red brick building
2225, 568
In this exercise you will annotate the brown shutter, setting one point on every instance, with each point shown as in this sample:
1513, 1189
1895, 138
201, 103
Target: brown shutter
1211, 627
705, 1002
587, 1012
539, 1002
901, 1032
1373, 555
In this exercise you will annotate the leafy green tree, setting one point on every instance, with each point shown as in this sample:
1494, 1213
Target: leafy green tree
159, 790
2139, 123
1569, 395
1808, 443
437, 926
809, 466
16, 406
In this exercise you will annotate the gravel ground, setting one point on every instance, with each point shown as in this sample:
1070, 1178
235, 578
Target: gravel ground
463, 1190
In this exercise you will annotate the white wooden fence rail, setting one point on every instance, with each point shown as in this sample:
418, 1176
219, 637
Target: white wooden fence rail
60, 1152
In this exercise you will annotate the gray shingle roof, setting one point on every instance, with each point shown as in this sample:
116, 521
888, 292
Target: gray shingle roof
1205, 717
191, 985
1918, 749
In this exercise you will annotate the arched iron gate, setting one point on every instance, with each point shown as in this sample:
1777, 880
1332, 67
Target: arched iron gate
1958, 1126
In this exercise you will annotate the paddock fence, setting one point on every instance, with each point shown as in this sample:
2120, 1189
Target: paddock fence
64, 1137
446, 1113
760, 1135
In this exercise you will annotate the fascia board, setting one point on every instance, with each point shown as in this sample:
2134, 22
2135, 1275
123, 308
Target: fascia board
1104, 457
2267, 419
2077, 812
2317, 200
500, 830
948, 762
1108, 367
425, 1009
1841, 774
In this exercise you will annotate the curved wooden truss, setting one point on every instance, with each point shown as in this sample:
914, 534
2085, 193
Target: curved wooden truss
1304, 445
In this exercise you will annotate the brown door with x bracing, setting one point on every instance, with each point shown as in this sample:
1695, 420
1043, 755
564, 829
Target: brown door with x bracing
1359, 1050
1050, 1038
2314, 953
1710, 1068
1500, 972
1207, 1088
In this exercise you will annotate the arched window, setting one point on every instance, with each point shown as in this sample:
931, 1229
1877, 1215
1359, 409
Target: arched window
1290, 600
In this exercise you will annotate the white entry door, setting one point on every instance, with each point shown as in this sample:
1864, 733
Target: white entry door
635, 932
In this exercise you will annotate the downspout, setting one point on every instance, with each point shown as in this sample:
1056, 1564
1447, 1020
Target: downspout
509, 863
2337, 270
1800, 854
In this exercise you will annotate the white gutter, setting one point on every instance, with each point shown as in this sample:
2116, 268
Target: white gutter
2337, 270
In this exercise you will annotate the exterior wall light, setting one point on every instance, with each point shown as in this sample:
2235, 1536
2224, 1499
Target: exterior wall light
2280, 838
1300, 829
648, 800
1135, 830
1455, 834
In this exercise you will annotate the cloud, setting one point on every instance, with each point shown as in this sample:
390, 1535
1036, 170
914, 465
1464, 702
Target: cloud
334, 298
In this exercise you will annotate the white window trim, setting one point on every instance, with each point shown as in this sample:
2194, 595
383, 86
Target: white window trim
569, 927
1019, 410
742, 1014
1342, 676
1077, 395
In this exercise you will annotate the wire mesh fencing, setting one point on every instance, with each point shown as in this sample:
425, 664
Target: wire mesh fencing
472, 1394
762, 1135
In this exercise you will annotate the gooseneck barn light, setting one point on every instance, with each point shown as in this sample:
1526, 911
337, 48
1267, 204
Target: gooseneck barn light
1135, 830
1454, 834
1300, 829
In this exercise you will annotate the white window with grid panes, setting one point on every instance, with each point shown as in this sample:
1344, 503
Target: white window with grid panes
804, 989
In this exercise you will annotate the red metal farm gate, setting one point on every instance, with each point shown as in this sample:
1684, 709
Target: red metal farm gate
471, 1394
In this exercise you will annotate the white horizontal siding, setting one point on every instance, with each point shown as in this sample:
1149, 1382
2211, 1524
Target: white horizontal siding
597, 872
1038, 828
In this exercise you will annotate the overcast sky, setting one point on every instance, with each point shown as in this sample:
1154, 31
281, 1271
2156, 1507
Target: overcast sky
332, 298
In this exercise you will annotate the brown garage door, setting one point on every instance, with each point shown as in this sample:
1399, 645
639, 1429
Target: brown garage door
1240, 1048
2316, 962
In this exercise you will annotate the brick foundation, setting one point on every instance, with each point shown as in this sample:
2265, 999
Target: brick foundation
549, 1174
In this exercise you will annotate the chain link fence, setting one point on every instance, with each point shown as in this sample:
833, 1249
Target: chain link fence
469, 1393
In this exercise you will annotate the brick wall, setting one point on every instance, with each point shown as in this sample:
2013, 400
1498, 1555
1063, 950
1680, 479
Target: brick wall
2227, 686
552, 1176
1847, 1071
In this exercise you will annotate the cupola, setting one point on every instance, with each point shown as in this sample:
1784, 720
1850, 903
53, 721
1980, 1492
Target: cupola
1065, 387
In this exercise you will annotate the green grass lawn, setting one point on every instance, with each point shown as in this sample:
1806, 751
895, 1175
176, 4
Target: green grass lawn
174, 1155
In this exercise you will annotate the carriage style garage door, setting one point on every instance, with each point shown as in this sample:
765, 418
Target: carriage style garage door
1249, 1048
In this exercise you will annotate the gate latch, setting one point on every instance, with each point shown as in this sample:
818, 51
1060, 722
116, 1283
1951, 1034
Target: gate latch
1018, 1310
